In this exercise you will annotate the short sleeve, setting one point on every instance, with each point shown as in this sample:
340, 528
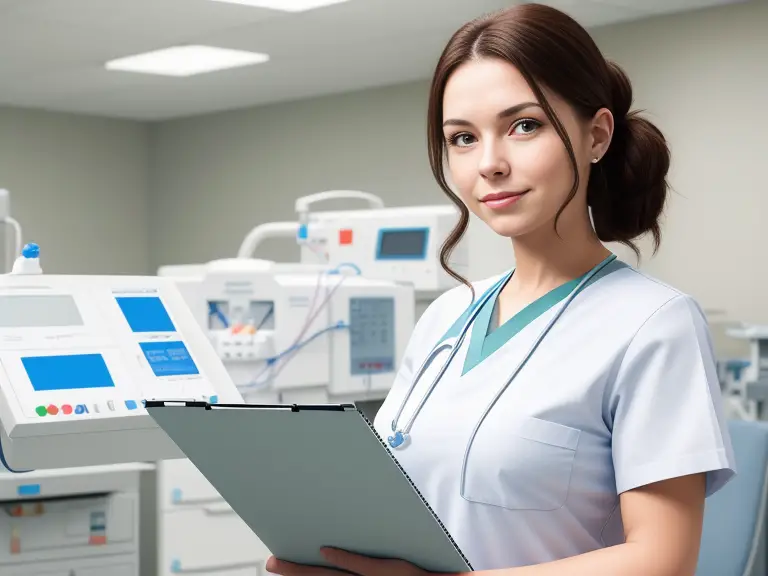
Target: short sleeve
667, 412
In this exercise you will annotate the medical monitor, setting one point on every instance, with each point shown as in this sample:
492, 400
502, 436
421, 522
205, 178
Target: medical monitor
79, 356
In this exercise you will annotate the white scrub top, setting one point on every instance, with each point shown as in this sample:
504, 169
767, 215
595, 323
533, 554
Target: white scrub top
622, 392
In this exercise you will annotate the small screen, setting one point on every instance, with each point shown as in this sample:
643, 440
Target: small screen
371, 335
71, 372
39, 311
146, 314
407, 243
169, 359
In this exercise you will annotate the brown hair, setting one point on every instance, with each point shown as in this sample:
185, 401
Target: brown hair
627, 189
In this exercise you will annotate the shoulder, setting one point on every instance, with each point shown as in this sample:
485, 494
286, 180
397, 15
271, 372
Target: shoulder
638, 300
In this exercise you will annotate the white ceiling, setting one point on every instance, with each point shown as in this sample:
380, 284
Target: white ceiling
52, 52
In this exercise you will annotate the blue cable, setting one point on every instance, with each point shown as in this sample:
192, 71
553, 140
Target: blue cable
299, 345
213, 310
270, 361
4, 462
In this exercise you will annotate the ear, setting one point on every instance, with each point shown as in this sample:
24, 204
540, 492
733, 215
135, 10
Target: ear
601, 132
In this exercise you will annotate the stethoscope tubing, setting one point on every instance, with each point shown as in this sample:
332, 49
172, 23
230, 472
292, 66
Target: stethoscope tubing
522, 363
456, 346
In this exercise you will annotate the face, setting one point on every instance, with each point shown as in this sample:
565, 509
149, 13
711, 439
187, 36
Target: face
505, 157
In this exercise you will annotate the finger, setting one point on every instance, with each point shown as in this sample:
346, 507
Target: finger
285, 568
355, 563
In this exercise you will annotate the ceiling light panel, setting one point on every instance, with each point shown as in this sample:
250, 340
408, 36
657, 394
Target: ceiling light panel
186, 61
285, 5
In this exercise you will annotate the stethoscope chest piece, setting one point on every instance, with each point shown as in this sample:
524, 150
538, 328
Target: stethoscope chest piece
398, 440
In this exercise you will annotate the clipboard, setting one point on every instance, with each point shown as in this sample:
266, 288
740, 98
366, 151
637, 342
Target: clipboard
307, 476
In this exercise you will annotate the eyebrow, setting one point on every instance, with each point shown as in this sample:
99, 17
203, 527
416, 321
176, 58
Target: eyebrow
511, 111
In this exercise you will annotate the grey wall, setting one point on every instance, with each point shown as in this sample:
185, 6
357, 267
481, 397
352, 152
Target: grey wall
215, 177
79, 188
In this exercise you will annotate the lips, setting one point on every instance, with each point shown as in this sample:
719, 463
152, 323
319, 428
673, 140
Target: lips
500, 201
496, 196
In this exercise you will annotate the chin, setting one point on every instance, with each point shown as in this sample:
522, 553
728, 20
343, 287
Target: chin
507, 225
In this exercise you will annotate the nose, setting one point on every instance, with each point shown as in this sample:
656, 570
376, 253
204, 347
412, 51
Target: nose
493, 164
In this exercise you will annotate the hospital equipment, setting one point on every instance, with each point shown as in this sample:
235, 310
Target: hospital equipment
7, 219
74, 521
291, 333
400, 244
79, 355
746, 380
734, 536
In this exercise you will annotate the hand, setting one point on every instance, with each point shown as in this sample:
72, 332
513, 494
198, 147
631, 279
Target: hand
354, 563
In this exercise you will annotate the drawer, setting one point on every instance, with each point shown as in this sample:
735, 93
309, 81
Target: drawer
68, 528
209, 540
112, 567
182, 485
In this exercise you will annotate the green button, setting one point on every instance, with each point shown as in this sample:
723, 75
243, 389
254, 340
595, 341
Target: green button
41, 410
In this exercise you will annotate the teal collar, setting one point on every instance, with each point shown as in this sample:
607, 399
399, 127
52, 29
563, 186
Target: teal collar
484, 340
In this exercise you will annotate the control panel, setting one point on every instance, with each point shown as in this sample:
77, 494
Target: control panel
79, 356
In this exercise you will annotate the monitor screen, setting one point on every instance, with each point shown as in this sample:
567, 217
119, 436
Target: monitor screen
169, 359
407, 243
39, 311
146, 314
68, 372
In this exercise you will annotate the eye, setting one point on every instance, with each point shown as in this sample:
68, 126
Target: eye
525, 126
461, 140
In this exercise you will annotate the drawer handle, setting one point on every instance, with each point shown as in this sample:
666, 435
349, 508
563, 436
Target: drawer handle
221, 510
176, 568
178, 499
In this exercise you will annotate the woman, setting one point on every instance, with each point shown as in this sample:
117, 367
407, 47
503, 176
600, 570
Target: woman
597, 457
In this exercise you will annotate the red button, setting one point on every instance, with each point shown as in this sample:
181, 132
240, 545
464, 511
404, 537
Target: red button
53, 410
67, 409
345, 237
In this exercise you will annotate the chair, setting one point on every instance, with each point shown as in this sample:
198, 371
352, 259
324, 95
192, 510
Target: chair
734, 537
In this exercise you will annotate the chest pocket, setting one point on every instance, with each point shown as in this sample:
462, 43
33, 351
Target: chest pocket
520, 463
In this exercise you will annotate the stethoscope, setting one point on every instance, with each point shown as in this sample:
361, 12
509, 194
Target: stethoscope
401, 436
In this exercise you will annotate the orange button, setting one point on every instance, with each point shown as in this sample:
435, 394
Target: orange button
67, 409
345, 237
53, 410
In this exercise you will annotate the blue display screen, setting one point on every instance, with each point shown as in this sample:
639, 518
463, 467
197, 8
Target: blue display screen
169, 359
402, 244
71, 372
146, 314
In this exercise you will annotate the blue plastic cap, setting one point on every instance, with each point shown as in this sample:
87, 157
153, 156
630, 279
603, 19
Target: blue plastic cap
31, 250
302, 234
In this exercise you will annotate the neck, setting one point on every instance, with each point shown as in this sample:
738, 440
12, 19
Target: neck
545, 261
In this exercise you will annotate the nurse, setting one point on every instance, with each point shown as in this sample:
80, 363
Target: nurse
578, 427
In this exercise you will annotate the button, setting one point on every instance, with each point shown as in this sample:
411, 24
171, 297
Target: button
53, 410
41, 410
66, 409
214, 400
96, 408
111, 405
81, 409
345, 237
130, 404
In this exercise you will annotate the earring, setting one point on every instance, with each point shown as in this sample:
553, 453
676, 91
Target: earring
595, 160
